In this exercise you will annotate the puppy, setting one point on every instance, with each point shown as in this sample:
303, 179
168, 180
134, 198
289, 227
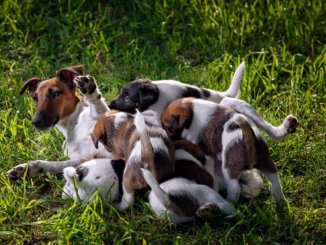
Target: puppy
117, 132
102, 175
226, 136
182, 199
153, 96
144, 94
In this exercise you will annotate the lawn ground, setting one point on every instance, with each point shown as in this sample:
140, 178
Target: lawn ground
197, 42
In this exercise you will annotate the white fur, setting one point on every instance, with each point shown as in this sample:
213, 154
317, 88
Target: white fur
202, 112
100, 177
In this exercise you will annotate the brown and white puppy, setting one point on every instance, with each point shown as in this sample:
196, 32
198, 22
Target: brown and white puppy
58, 104
117, 132
224, 135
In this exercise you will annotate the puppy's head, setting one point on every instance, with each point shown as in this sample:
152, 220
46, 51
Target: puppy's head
177, 116
139, 94
55, 98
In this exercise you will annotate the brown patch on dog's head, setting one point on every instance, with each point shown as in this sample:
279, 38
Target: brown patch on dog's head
177, 116
55, 97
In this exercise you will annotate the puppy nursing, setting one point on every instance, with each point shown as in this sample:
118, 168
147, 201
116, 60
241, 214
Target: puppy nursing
117, 132
224, 135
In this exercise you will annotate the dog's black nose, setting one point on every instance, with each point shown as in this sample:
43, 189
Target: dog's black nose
37, 122
112, 105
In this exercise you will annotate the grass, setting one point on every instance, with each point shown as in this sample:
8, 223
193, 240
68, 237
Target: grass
197, 42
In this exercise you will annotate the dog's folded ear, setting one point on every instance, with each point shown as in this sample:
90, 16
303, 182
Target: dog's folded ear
98, 133
30, 85
67, 74
148, 95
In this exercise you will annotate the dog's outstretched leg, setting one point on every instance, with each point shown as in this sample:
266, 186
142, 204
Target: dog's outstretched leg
288, 126
38, 167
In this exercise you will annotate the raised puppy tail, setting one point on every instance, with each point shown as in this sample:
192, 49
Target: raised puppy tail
147, 152
248, 137
161, 195
234, 89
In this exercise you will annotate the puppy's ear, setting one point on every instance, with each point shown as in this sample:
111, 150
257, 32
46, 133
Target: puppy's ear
30, 85
148, 95
98, 133
67, 75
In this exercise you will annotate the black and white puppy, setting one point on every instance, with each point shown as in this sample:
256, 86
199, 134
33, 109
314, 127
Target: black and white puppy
226, 136
147, 95
153, 96
96, 175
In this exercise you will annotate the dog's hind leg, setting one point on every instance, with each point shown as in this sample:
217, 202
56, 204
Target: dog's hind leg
39, 167
289, 125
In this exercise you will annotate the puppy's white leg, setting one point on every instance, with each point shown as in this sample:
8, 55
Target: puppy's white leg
232, 186
39, 167
126, 201
88, 87
289, 125
276, 186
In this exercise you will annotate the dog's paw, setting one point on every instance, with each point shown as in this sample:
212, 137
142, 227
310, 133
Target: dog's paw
87, 86
291, 123
33, 168
206, 211
17, 172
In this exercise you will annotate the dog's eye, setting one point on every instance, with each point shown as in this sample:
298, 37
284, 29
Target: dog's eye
53, 93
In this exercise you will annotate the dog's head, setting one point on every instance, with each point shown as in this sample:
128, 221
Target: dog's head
55, 98
177, 116
139, 94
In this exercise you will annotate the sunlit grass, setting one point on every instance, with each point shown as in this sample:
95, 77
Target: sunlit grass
197, 42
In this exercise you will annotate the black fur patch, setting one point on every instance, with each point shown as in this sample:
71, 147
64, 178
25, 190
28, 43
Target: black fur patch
82, 172
186, 204
191, 92
118, 167
205, 92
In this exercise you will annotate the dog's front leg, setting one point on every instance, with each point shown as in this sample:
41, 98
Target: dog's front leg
88, 87
38, 167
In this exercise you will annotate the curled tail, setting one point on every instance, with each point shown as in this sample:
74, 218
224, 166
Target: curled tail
248, 137
234, 89
161, 195
251, 183
147, 152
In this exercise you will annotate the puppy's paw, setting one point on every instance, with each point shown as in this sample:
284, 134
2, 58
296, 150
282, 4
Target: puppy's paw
87, 86
291, 123
206, 211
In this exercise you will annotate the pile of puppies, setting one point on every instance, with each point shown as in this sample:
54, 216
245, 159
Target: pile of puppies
185, 143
